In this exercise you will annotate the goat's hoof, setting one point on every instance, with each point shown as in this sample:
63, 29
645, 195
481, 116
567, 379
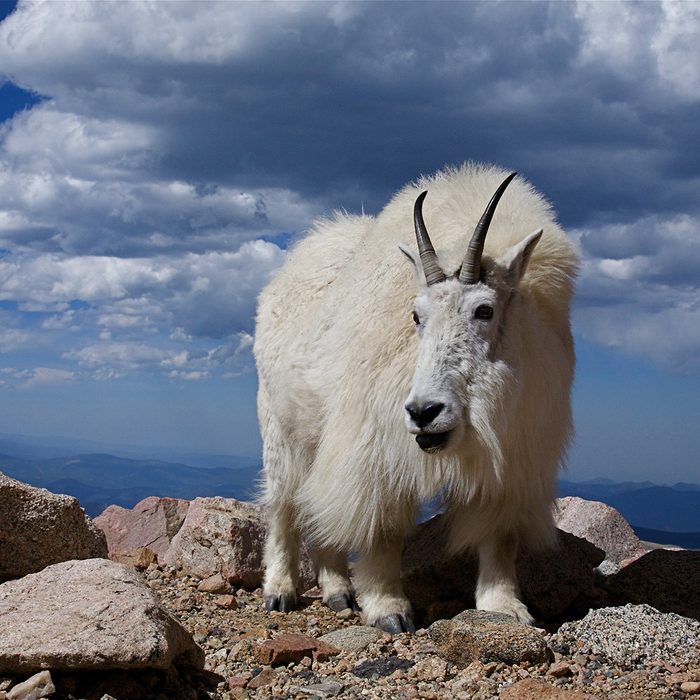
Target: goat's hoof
396, 623
284, 602
342, 601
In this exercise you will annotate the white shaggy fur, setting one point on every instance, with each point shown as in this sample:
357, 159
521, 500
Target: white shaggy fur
338, 357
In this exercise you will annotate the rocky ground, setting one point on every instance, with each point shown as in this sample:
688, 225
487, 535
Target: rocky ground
404, 666
251, 653
192, 624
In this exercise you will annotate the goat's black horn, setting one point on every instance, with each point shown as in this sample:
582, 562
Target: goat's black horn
471, 266
431, 268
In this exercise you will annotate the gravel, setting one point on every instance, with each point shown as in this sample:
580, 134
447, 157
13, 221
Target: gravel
631, 653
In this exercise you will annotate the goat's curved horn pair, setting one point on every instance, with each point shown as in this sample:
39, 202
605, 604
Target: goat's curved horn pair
471, 265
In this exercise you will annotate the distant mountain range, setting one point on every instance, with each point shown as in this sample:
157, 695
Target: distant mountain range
99, 480
662, 514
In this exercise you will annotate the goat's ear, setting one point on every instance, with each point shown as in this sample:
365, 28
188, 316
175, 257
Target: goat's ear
517, 257
417, 267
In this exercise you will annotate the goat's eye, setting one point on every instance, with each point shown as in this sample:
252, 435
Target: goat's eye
416, 320
484, 312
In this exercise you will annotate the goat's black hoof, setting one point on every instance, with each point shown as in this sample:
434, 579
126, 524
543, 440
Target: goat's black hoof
395, 624
284, 602
342, 601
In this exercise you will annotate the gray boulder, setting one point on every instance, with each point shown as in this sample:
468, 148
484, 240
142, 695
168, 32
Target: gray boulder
225, 536
633, 635
439, 584
90, 614
39, 528
601, 525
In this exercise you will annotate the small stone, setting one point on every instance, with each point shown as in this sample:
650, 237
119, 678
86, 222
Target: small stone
256, 633
292, 648
559, 669
431, 669
327, 689
690, 688
214, 584
346, 614
265, 677
227, 602
670, 667
354, 638
239, 681
38, 686
532, 689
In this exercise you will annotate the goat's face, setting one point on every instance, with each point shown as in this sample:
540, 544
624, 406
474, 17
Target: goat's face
458, 327
461, 321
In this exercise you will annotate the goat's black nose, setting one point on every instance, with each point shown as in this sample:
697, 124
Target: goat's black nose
423, 414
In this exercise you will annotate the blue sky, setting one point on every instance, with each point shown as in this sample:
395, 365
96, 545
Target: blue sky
156, 160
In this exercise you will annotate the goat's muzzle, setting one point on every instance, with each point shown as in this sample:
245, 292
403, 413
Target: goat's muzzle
432, 442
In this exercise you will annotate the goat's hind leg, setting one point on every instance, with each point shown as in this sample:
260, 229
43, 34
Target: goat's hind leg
281, 553
333, 579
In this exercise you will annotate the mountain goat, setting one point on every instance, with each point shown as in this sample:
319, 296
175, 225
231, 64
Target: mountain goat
383, 384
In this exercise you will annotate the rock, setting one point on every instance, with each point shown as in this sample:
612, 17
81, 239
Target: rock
40, 685
476, 635
291, 647
39, 528
140, 558
354, 638
327, 689
634, 634
345, 614
667, 580
560, 669
214, 584
225, 536
265, 677
690, 688
228, 602
533, 689
151, 523
431, 669
90, 614
550, 581
239, 681
601, 525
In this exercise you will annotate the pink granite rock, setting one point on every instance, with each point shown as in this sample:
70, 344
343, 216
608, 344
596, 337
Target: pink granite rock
601, 525
89, 614
152, 523
225, 536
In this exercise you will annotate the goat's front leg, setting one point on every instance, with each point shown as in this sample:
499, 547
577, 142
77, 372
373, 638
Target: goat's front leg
378, 580
497, 584
281, 557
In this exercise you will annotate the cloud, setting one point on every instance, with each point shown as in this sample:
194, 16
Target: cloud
639, 290
14, 339
41, 376
146, 200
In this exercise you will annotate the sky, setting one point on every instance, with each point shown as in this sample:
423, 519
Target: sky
158, 158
